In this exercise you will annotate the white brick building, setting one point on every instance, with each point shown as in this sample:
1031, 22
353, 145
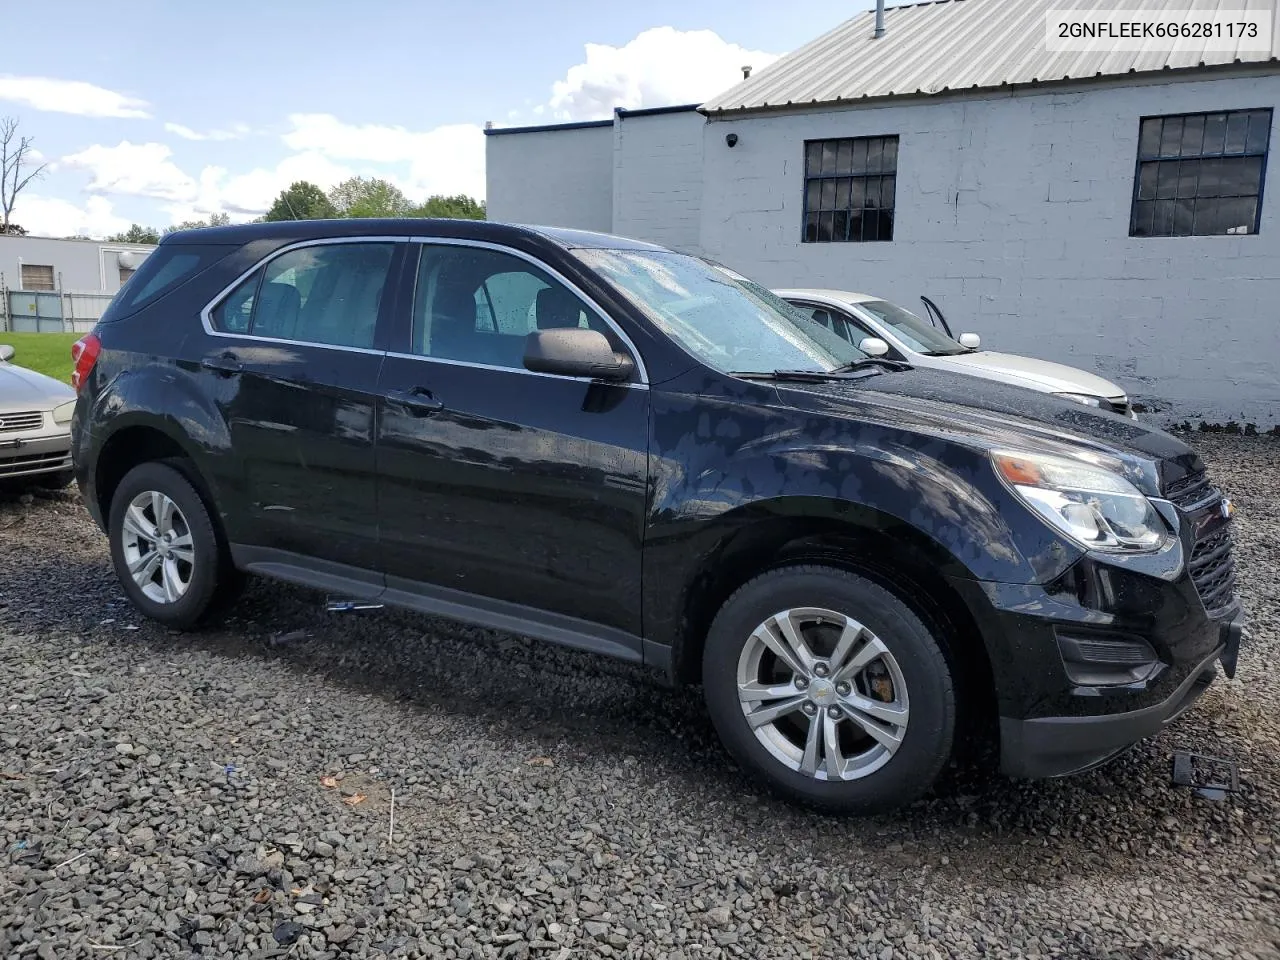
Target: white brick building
1049, 202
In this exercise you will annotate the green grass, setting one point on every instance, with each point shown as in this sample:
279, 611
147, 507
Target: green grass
47, 353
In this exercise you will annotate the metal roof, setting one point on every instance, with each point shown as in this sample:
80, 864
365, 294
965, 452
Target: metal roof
952, 45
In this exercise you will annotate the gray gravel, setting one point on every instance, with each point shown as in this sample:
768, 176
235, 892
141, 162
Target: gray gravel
230, 794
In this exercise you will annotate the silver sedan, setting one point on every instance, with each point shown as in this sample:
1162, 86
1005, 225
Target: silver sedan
35, 424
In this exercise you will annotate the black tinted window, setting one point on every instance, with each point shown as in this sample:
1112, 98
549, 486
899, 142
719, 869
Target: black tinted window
323, 294
166, 267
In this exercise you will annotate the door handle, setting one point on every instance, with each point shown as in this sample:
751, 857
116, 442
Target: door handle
420, 400
225, 365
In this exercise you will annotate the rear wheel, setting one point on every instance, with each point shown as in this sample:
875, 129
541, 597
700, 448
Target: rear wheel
830, 689
164, 546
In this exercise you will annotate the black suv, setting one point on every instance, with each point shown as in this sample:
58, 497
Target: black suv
611, 446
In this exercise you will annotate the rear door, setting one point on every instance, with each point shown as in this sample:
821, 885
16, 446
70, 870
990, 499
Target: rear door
519, 487
293, 358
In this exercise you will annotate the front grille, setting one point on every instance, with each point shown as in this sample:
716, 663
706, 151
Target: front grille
1214, 571
1212, 568
1192, 490
16, 466
28, 420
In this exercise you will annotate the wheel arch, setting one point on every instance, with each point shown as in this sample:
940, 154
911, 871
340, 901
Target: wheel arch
897, 556
137, 439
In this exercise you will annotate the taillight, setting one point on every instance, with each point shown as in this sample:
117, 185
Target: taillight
84, 354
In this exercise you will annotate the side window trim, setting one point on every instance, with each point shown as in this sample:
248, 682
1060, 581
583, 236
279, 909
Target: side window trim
641, 371
206, 315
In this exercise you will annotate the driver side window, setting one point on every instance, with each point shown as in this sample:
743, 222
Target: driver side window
475, 305
836, 324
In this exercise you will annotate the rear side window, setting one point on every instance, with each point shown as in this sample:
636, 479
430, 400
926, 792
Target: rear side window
327, 294
168, 266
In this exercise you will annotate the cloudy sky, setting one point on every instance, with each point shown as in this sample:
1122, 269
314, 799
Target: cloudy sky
158, 111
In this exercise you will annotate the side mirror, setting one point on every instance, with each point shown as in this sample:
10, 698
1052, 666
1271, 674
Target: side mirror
873, 346
970, 340
575, 352
6, 353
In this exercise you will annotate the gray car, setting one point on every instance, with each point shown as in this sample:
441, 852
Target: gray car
35, 425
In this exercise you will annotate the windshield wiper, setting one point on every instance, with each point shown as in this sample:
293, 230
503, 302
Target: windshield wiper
844, 372
798, 376
866, 362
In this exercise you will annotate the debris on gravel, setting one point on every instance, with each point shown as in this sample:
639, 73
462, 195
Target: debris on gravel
170, 795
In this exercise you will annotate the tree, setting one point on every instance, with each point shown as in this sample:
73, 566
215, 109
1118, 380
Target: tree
216, 220
375, 197
136, 234
303, 200
460, 207
17, 168
14, 230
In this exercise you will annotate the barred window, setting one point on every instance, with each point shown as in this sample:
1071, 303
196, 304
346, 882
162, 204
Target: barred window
1200, 174
849, 188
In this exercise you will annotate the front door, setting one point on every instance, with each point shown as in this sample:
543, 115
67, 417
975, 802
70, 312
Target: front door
504, 484
294, 364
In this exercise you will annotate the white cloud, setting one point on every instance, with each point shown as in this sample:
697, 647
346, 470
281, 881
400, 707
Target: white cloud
186, 133
448, 159
70, 96
54, 217
660, 67
254, 192
134, 169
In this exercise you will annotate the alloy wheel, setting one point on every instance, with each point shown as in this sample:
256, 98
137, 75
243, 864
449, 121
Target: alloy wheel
157, 547
823, 694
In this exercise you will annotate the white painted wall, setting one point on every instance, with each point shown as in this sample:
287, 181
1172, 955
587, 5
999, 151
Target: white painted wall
552, 178
81, 266
657, 178
1013, 214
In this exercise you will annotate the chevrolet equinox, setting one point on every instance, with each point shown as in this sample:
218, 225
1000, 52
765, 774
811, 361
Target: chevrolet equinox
607, 445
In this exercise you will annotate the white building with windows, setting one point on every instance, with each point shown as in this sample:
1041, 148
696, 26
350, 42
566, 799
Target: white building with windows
1105, 209
48, 284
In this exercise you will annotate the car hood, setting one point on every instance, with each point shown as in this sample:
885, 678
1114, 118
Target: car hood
988, 413
1030, 372
23, 389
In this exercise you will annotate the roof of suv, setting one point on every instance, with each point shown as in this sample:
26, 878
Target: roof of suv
294, 230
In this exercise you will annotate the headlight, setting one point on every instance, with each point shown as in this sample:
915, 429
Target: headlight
62, 413
1092, 505
1086, 399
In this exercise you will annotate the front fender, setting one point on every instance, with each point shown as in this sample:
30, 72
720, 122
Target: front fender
722, 469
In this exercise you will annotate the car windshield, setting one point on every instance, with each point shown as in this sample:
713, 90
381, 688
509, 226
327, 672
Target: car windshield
722, 318
918, 335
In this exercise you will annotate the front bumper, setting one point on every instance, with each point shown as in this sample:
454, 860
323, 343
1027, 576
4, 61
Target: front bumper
1056, 718
32, 456
1058, 746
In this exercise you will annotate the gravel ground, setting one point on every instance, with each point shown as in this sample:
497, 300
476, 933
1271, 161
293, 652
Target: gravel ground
231, 794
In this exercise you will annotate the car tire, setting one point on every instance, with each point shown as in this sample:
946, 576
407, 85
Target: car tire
868, 675
165, 547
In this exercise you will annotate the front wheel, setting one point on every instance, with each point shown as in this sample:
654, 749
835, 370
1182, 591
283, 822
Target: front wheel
164, 546
828, 688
